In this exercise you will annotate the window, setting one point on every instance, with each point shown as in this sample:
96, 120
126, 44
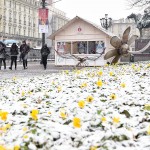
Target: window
9, 30
19, 32
79, 47
64, 47
14, 30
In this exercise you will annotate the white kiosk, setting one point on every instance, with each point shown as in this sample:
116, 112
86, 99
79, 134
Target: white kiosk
83, 39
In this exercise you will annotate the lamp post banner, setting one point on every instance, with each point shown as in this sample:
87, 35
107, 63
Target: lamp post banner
43, 20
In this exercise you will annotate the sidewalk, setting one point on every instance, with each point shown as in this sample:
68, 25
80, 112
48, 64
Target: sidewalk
34, 68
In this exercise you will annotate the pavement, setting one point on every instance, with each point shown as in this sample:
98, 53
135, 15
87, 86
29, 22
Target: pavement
34, 69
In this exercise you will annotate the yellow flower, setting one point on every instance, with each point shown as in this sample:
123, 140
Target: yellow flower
99, 83
59, 89
76, 122
14, 78
2, 147
90, 98
78, 71
29, 92
100, 73
16, 147
93, 148
22, 93
34, 114
25, 136
81, 103
103, 119
83, 85
116, 120
3, 115
49, 113
106, 65
63, 114
113, 96
24, 128
133, 66
111, 73
66, 71
148, 130
123, 85
8, 126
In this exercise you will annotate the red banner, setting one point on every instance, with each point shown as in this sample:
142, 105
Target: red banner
43, 16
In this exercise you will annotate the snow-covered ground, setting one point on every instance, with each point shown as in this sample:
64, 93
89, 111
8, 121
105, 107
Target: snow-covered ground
99, 108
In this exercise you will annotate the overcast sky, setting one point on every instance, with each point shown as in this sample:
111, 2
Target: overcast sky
93, 10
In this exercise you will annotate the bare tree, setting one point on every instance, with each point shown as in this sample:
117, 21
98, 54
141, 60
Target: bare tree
139, 3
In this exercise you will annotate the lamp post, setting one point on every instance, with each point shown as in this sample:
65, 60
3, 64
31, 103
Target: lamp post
43, 34
106, 22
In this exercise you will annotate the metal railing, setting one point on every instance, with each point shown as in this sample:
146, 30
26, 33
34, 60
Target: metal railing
33, 55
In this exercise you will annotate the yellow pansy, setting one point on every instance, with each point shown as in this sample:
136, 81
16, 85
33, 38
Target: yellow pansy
103, 119
113, 96
22, 93
24, 128
123, 85
14, 78
2, 147
81, 103
34, 114
78, 71
25, 136
63, 114
100, 73
90, 98
49, 113
93, 148
148, 130
99, 83
76, 122
16, 147
59, 88
83, 85
116, 119
111, 73
3, 115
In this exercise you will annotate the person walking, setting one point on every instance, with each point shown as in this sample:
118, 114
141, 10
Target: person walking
24, 49
13, 54
44, 53
2, 55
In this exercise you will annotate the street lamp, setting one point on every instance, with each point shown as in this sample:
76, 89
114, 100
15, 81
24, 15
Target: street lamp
44, 4
106, 22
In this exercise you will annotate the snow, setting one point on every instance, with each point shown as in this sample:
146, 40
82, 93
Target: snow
61, 92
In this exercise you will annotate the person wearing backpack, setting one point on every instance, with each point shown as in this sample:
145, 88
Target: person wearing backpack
44, 53
13, 54
24, 49
2, 55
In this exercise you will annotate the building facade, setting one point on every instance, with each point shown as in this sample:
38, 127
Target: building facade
119, 26
19, 20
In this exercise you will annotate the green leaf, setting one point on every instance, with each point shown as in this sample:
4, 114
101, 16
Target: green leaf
126, 113
147, 107
99, 112
33, 131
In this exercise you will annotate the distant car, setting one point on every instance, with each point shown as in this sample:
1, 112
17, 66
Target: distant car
8, 43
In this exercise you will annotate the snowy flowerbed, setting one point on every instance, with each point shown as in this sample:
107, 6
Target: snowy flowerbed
102, 108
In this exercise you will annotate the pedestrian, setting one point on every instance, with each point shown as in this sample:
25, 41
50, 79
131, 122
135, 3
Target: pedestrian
2, 55
13, 54
44, 53
24, 49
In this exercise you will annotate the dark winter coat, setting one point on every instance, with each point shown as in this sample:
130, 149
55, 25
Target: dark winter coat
2, 50
14, 50
45, 51
24, 49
